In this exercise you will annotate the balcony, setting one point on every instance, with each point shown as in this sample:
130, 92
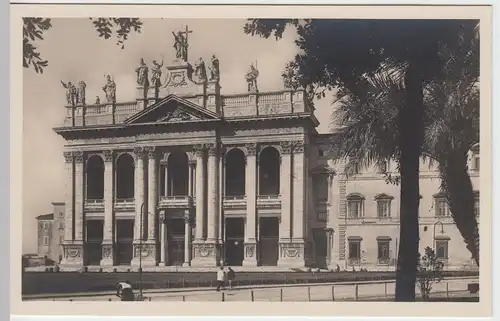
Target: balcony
269, 201
235, 201
124, 204
94, 205
178, 201
354, 261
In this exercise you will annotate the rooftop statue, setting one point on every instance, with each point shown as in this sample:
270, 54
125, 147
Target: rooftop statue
214, 68
81, 93
71, 93
199, 70
181, 44
110, 89
251, 78
142, 73
156, 73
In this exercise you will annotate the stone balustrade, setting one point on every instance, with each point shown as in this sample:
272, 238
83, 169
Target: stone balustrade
232, 106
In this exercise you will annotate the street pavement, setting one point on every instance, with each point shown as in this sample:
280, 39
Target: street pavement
297, 293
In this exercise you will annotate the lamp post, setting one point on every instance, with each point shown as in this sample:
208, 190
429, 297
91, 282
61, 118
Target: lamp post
434, 234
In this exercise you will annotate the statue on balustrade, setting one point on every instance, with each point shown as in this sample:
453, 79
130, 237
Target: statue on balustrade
251, 78
110, 89
199, 70
71, 93
214, 68
142, 73
97, 100
156, 73
81, 93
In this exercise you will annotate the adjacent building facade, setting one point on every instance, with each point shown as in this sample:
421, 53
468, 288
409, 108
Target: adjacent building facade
187, 176
50, 231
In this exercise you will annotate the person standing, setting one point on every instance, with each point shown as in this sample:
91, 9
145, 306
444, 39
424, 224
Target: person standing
220, 278
230, 277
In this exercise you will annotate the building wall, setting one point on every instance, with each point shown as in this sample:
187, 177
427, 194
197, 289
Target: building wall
58, 231
50, 234
45, 238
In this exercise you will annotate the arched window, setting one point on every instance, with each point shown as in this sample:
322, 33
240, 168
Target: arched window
269, 171
95, 178
125, 168
355, 206
235, 173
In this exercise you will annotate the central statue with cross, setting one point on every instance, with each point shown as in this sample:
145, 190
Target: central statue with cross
181, 44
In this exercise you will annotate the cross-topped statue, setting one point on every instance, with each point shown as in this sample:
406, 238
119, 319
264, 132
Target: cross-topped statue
181, 43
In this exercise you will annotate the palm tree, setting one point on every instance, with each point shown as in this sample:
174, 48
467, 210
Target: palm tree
367, 132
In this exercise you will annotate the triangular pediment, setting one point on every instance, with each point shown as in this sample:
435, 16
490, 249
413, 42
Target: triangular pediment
172, 109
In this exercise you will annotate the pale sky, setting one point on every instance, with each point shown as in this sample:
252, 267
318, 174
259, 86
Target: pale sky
76, 53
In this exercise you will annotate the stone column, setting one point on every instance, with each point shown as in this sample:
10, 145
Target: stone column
293, 254
69, 190
165, 164
200, 188
213, 182
251, 195
150, 260
221, 193
107, 242
139, 203
187, 238
79, 196
286, 192
163, 238
190, 179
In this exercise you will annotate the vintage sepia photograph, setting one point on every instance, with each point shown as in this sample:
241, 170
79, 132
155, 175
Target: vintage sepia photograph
252, 159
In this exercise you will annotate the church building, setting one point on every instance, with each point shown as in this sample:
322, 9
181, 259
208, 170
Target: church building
188, 176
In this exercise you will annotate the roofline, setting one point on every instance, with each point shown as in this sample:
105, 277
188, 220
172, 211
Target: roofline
58, 203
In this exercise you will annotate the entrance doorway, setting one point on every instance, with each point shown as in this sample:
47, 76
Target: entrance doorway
268, 241
124, 250
93, 241
234, 241
175, 241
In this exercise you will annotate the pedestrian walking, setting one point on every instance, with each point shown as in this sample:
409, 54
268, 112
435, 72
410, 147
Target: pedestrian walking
230, 277
220, 278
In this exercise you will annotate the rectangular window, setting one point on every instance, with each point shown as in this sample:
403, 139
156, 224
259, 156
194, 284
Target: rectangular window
442, 249
61, 225
442, 209
46, 241
383, 208
354, 251
477, 162
355, 208
383, 251
45, 226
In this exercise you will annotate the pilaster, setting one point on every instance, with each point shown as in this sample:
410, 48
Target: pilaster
107, 242
187, 240
79, 196
200, 192
69, 196
251, 217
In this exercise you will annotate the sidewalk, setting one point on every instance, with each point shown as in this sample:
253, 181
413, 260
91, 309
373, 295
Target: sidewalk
262, 292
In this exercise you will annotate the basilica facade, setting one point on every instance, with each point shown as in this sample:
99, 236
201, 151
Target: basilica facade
187, 176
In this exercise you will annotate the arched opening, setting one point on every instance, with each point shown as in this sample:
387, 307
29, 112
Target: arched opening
269, 171
178, 174
125, 169
235, 173
95, 178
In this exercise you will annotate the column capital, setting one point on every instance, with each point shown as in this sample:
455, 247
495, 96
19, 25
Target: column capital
68, 157
139, 152
108, 155
212, 149
298, 146
199, 149
151, 151
78, 156
286, 147
251, 149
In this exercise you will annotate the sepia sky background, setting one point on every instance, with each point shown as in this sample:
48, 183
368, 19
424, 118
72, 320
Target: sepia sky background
75, 53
